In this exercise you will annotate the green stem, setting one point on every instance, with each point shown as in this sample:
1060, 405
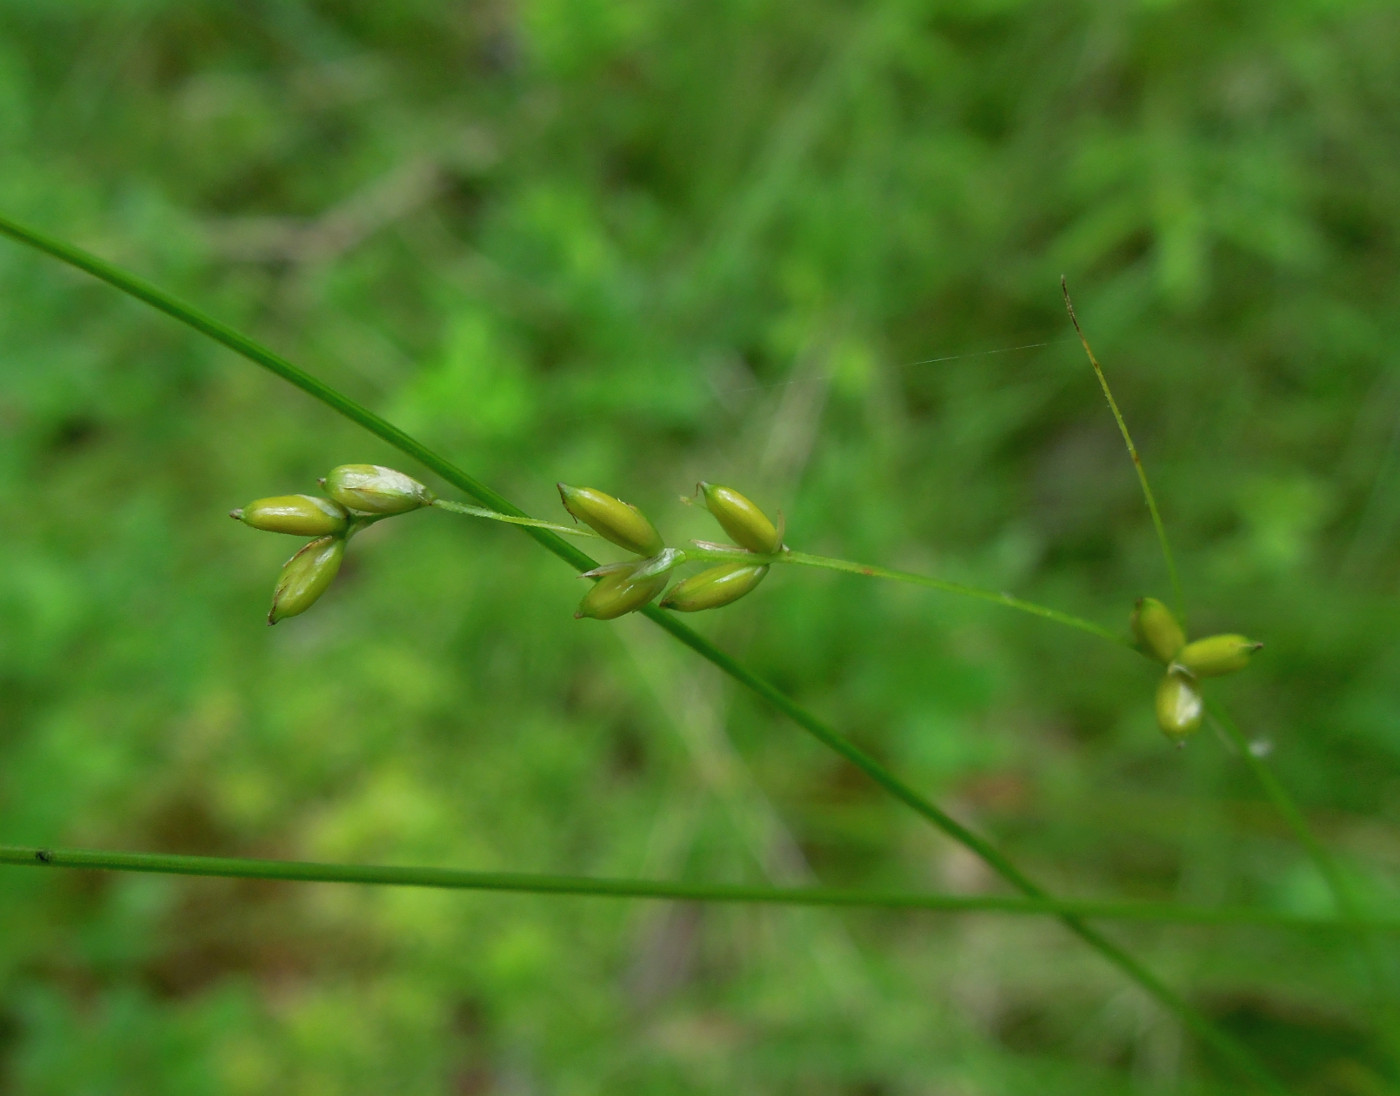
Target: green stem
1331, 873
1278, 795
1229, 1049
360, 523
585, 886
1137, 460
1343, 896
995, 597
136, 286
1233, 1052
512, 519
805, 559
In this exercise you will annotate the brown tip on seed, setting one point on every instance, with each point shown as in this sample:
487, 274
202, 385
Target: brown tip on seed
237, 515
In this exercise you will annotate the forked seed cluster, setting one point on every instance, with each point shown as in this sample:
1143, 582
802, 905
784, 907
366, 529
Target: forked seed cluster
1180, 705
627, 586
360, 495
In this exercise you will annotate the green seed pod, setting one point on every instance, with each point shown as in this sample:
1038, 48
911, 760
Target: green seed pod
619, 592
305, 577
1179, 705
1216, 655
372, 489
302, 515
618, 521
714, 587
1156, 629
742, 520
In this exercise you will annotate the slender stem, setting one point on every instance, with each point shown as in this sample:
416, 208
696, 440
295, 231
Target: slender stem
361, 522
531, 883
1137, 460
1348, 906
1345, 900
240, 344
1230, 1050
1278, 795
726, 555
513, 519
994, 596
1343, 895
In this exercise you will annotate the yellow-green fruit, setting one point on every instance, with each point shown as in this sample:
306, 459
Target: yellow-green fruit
618, 521
618, 592
1216, 655
373, 489
742, 520
1179, 705
305, 577
714, 587
302, 515
1156, 629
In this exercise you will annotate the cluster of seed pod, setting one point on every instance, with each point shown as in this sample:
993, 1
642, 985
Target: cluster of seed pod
360, 495
629, 585
1180, 705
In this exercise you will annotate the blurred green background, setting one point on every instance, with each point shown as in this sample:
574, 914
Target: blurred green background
808, 249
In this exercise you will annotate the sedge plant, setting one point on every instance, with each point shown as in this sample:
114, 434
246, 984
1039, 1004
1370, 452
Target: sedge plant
360, 495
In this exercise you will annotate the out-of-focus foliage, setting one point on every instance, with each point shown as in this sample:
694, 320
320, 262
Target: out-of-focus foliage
808, 249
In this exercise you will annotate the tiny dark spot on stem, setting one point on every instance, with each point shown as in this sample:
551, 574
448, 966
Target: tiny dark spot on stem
42, 855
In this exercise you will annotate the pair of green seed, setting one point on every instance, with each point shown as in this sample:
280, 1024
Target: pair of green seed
626, 587
1180, 706
360, 494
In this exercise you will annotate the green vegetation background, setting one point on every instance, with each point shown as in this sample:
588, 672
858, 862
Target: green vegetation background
810, 249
